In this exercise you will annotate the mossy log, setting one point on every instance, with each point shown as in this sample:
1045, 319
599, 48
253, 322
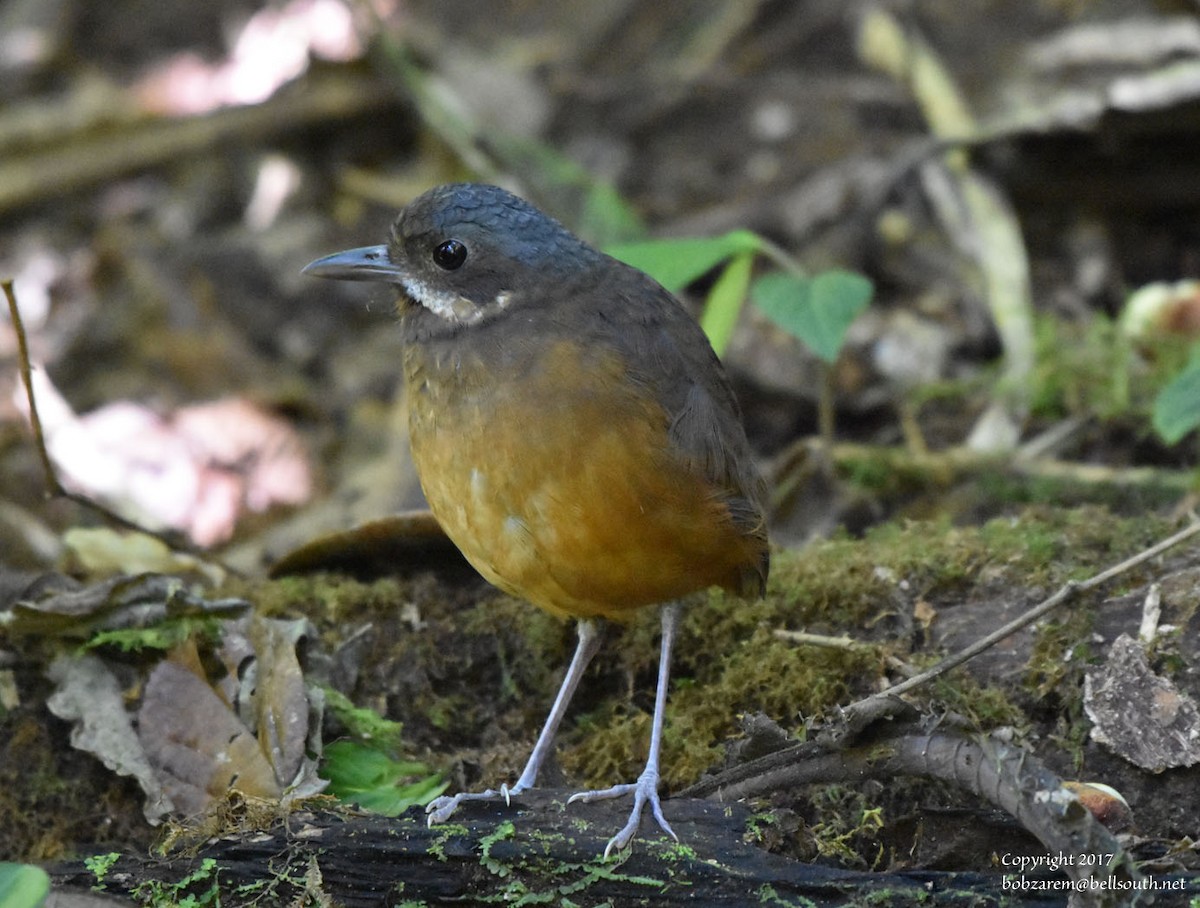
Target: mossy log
534, 851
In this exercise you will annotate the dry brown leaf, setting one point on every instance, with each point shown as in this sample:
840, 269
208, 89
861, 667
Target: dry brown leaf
196, 744
280, 696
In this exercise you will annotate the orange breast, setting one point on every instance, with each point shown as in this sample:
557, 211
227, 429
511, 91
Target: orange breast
560, 486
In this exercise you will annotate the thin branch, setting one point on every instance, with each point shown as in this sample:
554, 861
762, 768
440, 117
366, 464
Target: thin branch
846, 644
23, 363
74, 159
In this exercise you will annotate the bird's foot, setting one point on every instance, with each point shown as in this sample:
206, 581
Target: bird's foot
439, 810
645, 791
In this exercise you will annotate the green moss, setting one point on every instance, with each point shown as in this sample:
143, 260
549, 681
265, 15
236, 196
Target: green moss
984, 707
1061, 653
53, 796
527, 877
99, 865
848, 826
496, 868
200, 887
446, 832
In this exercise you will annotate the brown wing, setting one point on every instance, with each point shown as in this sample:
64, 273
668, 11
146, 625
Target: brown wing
674, 357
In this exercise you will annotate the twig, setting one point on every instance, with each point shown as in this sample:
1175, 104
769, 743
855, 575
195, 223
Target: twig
847, 644
939, 469
88, 157
23, 363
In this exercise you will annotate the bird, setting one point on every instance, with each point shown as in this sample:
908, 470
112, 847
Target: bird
574, 433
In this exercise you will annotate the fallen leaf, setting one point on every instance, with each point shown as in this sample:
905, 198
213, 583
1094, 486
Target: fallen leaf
88, 696
100, 551
280, 696
196, 744
250, 730
57, 605
194, 470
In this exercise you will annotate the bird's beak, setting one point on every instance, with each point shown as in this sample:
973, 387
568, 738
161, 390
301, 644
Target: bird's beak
369, 263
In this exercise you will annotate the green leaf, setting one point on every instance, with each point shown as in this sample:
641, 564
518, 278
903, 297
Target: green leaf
22, 885
372, 779
725, 301
1177, 407
675, 263
817, 310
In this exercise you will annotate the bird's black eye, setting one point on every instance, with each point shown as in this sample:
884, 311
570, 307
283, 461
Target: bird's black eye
450, 254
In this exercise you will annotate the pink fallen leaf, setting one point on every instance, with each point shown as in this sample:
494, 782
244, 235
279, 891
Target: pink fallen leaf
194, 470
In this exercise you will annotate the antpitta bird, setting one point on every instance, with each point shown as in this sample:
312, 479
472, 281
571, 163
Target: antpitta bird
573, 430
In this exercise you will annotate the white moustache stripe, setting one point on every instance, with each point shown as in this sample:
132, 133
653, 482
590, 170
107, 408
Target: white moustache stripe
450, 306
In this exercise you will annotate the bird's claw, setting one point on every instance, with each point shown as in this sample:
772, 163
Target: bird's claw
645, 791
439, 810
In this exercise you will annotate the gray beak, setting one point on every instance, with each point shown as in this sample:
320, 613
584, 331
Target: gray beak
368, 263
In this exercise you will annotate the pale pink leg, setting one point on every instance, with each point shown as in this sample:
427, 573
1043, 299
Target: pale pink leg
645, 789
440, 809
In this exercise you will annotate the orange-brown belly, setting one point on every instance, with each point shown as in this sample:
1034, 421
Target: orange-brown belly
568, 496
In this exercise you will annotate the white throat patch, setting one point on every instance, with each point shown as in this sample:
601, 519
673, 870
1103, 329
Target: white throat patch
454, 307
450, 306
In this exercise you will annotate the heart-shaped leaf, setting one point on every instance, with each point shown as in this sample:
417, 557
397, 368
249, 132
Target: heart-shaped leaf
817, 310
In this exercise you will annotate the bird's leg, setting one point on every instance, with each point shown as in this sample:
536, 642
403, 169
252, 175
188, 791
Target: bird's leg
440, 809
645, 789
585, 650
